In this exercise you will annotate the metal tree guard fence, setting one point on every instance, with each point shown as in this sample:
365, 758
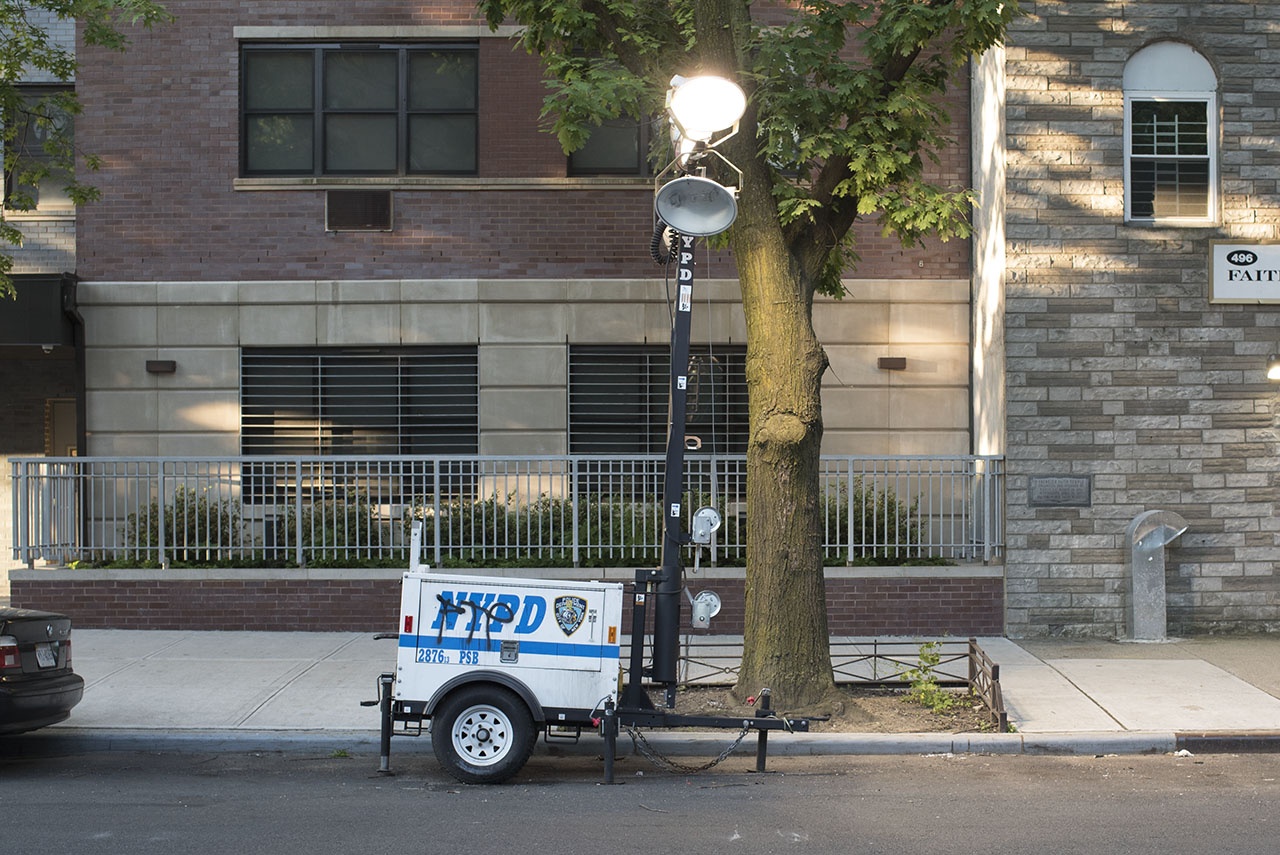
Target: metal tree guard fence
567, 510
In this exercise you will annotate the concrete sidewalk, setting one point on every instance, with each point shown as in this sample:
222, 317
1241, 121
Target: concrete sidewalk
263, 691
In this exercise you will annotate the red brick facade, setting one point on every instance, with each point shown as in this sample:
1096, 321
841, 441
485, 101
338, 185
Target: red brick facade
164, 116
941, 605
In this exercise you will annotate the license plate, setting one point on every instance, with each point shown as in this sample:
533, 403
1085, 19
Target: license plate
46, 656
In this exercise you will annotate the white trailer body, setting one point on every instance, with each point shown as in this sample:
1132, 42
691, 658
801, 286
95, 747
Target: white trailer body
491, 661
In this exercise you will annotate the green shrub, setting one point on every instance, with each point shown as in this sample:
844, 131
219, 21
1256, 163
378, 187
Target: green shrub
872, 521
924, 681
335, 532
196, 528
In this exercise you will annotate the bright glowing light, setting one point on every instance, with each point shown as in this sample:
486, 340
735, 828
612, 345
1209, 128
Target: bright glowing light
701, 106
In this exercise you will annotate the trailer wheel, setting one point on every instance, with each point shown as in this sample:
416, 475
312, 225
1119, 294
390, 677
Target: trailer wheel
482, 734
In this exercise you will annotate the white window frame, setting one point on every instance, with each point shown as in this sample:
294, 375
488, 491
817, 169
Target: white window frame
1172, 71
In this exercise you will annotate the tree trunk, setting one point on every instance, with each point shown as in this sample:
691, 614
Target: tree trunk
786, 646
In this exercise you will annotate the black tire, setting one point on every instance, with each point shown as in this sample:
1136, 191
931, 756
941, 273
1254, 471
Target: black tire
482, 734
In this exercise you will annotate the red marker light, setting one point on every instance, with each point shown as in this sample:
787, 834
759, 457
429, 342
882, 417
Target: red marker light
408, 624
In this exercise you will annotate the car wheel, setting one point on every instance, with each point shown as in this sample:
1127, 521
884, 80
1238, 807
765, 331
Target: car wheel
482, 734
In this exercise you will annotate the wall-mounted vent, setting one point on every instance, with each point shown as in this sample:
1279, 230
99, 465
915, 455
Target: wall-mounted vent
357, 211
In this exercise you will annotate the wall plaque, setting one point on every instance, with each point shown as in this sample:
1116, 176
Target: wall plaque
1244, 272
1060, 491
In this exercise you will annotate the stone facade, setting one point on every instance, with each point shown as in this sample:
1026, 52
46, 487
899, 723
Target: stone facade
1119, 367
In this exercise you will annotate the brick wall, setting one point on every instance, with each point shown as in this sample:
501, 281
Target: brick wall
938, 605
48, 243
1118, 366
164, 116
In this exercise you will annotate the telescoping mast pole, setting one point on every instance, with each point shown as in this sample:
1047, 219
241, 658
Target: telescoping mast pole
666, 612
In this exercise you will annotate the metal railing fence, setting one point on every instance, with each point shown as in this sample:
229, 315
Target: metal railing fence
569, 510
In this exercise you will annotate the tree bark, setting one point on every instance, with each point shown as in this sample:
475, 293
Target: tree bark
786, 646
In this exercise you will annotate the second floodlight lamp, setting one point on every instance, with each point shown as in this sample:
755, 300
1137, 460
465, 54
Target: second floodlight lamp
701, 107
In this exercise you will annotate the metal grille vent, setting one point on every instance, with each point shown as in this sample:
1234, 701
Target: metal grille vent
358, 210
381, 401
618, 398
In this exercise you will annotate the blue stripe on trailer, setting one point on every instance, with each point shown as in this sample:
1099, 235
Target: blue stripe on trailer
527, 647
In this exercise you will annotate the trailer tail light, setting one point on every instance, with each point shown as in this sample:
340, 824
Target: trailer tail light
10, 658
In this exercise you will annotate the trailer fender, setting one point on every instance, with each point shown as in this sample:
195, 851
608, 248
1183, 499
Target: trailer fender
495, 677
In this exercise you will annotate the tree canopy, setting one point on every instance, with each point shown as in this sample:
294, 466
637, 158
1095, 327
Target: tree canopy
36, 132
846, 98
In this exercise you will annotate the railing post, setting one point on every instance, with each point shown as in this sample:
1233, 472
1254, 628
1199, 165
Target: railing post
849, 504
297, 513
48, 525
573, 508
21, 511
435, 509
984, 483
715, 503
162, 534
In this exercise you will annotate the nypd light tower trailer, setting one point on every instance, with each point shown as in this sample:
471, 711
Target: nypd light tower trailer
491, 662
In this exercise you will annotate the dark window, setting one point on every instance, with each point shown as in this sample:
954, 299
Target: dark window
420, 401
359, 109
38, 142
618, 399
1169, 160
618, 147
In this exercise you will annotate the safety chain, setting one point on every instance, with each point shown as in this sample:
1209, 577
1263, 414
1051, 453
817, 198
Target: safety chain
667, 764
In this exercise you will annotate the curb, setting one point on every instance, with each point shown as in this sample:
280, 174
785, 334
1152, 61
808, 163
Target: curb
65, 741
1230, 742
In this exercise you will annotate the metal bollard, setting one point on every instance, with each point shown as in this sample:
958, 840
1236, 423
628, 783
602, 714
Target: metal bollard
1147, 535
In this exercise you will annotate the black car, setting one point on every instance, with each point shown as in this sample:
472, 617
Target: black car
37, 685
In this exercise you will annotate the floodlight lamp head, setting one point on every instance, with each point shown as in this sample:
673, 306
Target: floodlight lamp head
700, 107
695, 206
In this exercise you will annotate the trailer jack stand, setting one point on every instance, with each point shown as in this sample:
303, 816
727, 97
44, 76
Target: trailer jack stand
609, 726
385, 682
762, 740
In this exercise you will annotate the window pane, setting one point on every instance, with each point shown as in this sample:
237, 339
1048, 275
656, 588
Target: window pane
44, 133
1175, 128
357, 113
360, 80
442, 80
360, 143
1169, 188
614, 148
279, 144
442, 144
278, 80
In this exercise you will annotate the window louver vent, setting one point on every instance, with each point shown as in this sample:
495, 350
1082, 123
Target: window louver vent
358, 211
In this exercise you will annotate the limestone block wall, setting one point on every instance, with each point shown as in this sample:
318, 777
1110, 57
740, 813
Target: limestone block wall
1119, 368
522, 329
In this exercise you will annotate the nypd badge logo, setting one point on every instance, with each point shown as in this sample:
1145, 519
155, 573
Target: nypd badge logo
569, 613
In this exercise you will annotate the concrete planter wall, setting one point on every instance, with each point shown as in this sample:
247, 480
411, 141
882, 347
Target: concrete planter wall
959, 601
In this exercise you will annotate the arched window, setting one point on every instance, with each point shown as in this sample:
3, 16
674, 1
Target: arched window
1170, 136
